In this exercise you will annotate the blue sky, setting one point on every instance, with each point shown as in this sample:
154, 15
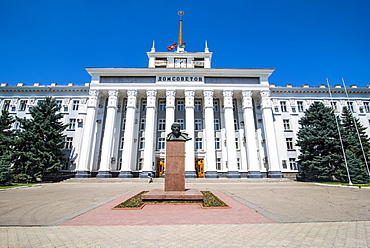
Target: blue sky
49, 41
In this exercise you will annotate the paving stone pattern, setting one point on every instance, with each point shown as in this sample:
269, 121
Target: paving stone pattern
305, 215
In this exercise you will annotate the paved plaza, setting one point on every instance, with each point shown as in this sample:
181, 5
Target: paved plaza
264, 213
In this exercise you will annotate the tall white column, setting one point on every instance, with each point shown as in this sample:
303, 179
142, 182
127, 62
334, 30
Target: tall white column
83, 167
210, 159
269, 130
127, 151
254, 170
109, 130
149, 133
170, 109
230, 134
189, 145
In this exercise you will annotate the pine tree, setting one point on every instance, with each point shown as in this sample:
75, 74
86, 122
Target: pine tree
7, 140
320, 148
40, 142
356, 168
6, 133
352, 129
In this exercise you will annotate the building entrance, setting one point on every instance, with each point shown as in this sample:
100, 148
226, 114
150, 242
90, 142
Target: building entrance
159, 167
199, 167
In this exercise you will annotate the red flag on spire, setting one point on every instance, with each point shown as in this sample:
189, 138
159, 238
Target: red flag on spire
173, 46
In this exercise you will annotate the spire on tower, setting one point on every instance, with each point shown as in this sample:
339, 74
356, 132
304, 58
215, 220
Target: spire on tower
180, 42
153, 48
206, 50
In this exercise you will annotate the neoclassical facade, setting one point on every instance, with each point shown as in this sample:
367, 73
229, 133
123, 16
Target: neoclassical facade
240, 124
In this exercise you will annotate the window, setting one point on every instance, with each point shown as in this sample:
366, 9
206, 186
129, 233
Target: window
197, 105
143, 105
283, 106
218, 163
68, 143
237, 143
238, 163
198, 143
59, 103
217, 143
334, 106
75, 105
23, 105
142, 124
350, 106
140, 163
289, 143
217, 124
72, 124
367, 107
198, 124
161, 143
182, 123
6, 105
162, 105
180, 105
161, 124
123, 123
142, 143
235, 124
286, 124
215, 106
292, 164
119, 164
300, 106
284, 164
122, 143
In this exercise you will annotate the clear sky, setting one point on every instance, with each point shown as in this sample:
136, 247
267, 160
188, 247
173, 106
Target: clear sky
49, 41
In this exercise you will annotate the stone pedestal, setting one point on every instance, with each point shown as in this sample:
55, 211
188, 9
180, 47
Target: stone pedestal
174, 182
175, 166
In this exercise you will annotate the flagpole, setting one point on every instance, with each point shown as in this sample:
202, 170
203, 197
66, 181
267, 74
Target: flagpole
340, 137
358, 134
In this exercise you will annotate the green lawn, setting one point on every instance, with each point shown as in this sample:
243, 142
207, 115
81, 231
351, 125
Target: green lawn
17, 185
346, 184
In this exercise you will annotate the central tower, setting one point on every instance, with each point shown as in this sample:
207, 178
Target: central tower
180, 58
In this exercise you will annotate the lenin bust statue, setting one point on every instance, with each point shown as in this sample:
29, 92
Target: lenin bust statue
176, 135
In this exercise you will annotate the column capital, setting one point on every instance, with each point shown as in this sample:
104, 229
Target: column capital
189, 98
208, 98
150, 97
132, 93
208, 93
131, 98
228, 98
113, 98
93, 98
228, 93
247, 98
189, 93
113, 93
170, 93
170, 98
265, 99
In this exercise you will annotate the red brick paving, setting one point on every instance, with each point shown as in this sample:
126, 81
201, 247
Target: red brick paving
168, 214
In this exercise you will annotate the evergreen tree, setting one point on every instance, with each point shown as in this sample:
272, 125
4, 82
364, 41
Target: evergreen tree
6, 133
318, 139
40, 142
356, 168
7, 140
351, 126
6, 172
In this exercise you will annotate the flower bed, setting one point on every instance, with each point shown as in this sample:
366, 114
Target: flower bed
210, 201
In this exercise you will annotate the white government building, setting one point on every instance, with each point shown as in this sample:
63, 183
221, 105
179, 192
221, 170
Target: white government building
240, 124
